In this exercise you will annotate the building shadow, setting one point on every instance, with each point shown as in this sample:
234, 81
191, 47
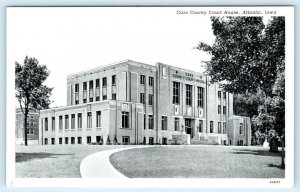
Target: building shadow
277, 166
257, 152
23, 157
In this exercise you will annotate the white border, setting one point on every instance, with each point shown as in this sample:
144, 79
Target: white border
287, 182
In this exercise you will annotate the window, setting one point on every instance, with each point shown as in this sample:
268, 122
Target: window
76, 94
91, 90
142, 79
66, 121
104, 81
79, 140
224, 95
176, 92
126, 140
98, 118
53, 123
97, 89
73, 121
151, 122
219, 94
125, 119
31, 131
219, 127
211, 126
72, 140
189, 95
66, 140
84, 92
200, 126
164, 71
150, 99
98, 139
164, 123
53, 141
142, 98
164, 141
151, 140
224, 128
46, 141
114, 96
88, 140
176, 124
27, 132
241, 128
219, 109
151, 81
144, 121
60, 140
104, 97
89, 120
60, 122
46, 124
200, 97
79, 120
113, 80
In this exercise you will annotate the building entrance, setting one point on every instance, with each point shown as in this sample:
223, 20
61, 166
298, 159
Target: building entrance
189, 127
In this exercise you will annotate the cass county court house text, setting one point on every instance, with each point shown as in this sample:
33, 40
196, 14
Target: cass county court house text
135, 103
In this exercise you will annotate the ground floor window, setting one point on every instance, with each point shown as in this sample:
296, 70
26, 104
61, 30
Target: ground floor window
144, 140
176, 124
164, 122
200, 126
126, 140
211, 126
72, 140
60, 140
46, 141
98, 139
151, 122
151, 140
88, 140
125, 119
164, 141
224, 128
219, 127
66, 140
230, 142
53, 141
79, 140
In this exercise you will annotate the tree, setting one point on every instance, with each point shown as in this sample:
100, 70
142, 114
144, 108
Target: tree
30, 91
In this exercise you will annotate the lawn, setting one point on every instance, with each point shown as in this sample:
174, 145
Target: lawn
53, 161
198, 162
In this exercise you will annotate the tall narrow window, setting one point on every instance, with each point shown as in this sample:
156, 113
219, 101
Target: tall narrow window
125, 119
53, 123
150, 99
211, 126
164, 122
189, 95
114, 96
144, 121
46, 124
89, 120
219, 94
97, 90
60, 122
151, 81
224, 109
76, 94
224, 95
224, 127
84, 92
151, 122
142, 98
219, 109
176, 124
219, 127
142, 79
66, 121
79, 120
98, 118
73, 121
176, 92
91, 90
241, 128
200, 126
113, 80
200, 97
104, 81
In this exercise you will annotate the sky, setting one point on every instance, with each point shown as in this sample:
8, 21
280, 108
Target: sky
70, 40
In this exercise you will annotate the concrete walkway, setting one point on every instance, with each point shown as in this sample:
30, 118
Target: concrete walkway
97, 165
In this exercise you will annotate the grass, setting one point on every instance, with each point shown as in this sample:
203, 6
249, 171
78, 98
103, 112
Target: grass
198, 162
54, 161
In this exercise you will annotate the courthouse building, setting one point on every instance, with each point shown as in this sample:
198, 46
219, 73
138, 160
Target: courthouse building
136, 103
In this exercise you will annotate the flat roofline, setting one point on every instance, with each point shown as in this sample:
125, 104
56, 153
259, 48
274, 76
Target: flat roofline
111, 65
180, 69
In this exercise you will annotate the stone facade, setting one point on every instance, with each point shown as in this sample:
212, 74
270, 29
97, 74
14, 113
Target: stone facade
136, 103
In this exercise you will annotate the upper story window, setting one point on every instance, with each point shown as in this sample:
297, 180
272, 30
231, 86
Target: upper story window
84, 86
150, 99
76, 94
79, 120
125, 119
176, 92
60, 122
91, 90
91, 84
200, 97
142, 79
89, 120
113, 80
189, 97
164, 123
224, 95
151, 81
219, 127
219, 94
211, 126
84, 92
46, 124
66, 121
164, 71
98, 119
104, 81
219, 109
53, 123
76, 88
97, 83
142, 98
241, 128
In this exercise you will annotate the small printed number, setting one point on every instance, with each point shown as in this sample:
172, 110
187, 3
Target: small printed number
275, 182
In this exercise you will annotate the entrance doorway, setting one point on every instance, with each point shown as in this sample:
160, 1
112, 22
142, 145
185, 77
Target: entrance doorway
188, 127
